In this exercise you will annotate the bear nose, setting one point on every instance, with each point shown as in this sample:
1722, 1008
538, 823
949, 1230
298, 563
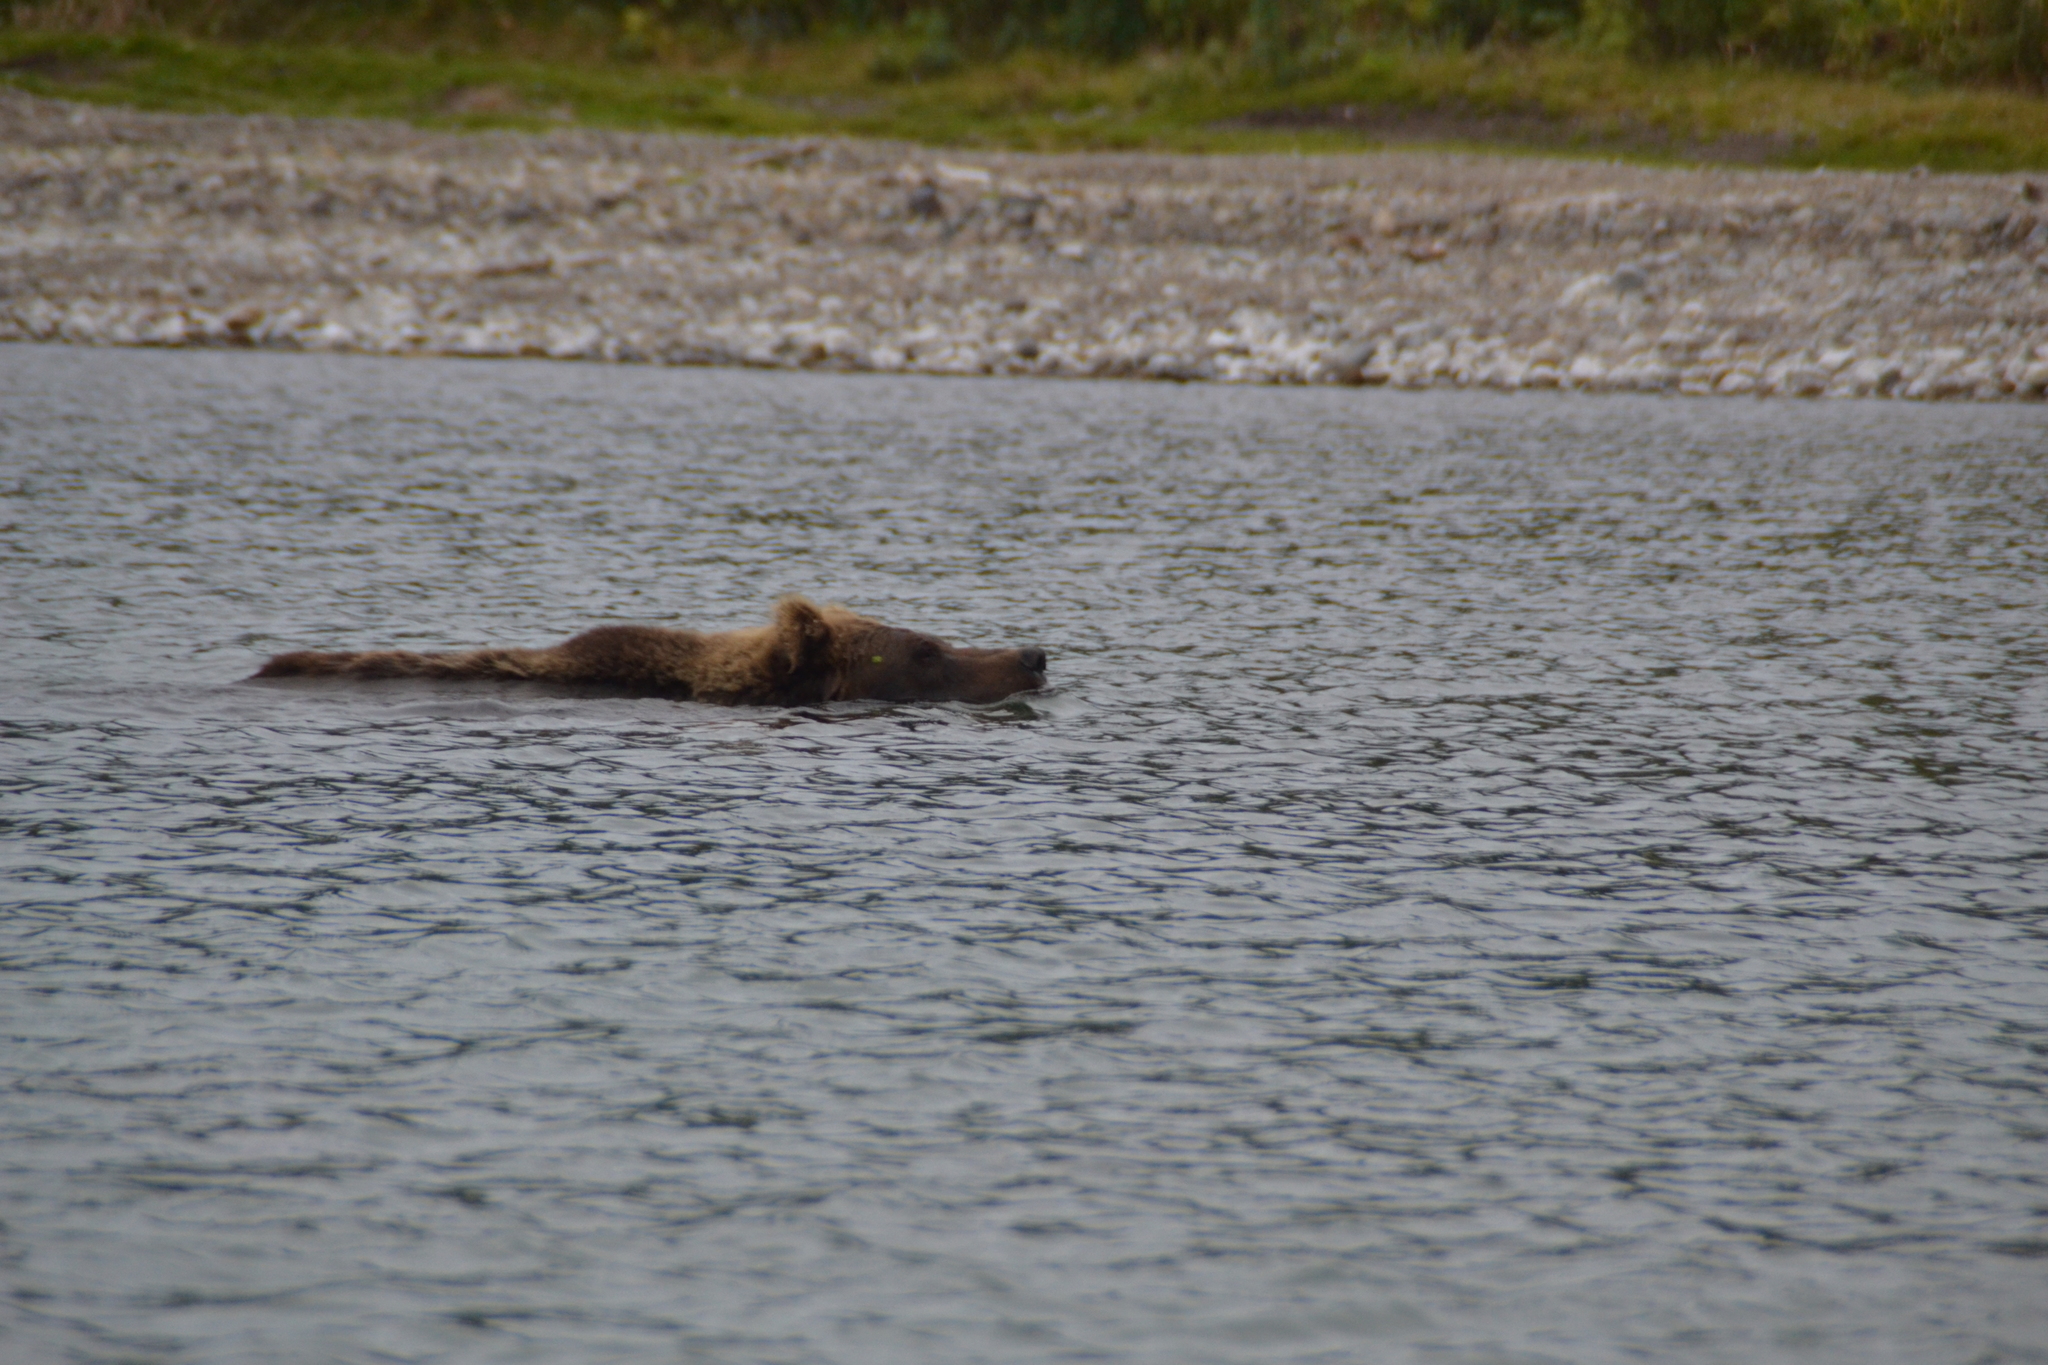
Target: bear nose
1032, 659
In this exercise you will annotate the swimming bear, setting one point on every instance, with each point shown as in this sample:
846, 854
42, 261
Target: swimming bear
810, 654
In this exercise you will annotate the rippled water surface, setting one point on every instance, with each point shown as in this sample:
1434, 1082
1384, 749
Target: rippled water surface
1495, 879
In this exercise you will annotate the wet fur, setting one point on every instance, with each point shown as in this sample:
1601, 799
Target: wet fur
809, 654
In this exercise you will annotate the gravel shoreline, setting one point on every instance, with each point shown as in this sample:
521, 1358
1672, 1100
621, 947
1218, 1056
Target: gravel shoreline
1401, 268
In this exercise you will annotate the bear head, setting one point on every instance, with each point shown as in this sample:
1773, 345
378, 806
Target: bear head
851, 657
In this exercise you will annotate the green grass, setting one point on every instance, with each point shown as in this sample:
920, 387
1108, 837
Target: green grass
1543, 100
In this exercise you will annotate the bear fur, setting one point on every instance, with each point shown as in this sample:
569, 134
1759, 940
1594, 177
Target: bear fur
810, 654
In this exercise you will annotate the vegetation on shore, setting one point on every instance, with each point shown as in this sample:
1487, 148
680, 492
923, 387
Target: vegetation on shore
1221, 81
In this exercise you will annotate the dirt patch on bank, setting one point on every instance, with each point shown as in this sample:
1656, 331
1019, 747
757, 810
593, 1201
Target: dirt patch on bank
1470, 126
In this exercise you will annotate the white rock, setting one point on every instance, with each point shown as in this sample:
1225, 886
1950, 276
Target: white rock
964, 177
488, 338
1644, 375
171, 329
279, 328
1873, 375
1975, 379
1582, 289
1507, 373
40, 318
583, 342
1587, 372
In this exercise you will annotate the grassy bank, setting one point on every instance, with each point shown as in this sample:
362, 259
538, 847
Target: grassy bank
1563, 100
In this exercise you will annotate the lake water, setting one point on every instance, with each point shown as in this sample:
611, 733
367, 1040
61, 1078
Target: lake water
1495, 879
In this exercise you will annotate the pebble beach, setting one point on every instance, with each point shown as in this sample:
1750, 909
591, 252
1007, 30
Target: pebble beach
1411, 269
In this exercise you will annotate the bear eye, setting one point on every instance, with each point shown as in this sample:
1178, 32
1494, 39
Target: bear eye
878, 658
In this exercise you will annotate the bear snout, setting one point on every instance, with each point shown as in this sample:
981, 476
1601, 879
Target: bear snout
1033, 660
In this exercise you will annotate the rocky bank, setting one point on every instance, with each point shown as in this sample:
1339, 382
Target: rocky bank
1409, 269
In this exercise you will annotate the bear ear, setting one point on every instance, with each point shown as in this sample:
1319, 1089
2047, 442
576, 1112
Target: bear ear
802, 630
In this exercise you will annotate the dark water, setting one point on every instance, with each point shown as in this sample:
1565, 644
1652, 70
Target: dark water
1497, 880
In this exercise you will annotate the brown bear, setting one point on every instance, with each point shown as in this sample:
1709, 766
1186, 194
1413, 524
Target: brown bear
810, 654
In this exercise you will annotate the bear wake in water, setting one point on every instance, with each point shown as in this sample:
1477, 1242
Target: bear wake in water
810, 654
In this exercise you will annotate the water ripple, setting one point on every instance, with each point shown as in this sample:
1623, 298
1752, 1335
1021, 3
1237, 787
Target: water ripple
1494, 879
